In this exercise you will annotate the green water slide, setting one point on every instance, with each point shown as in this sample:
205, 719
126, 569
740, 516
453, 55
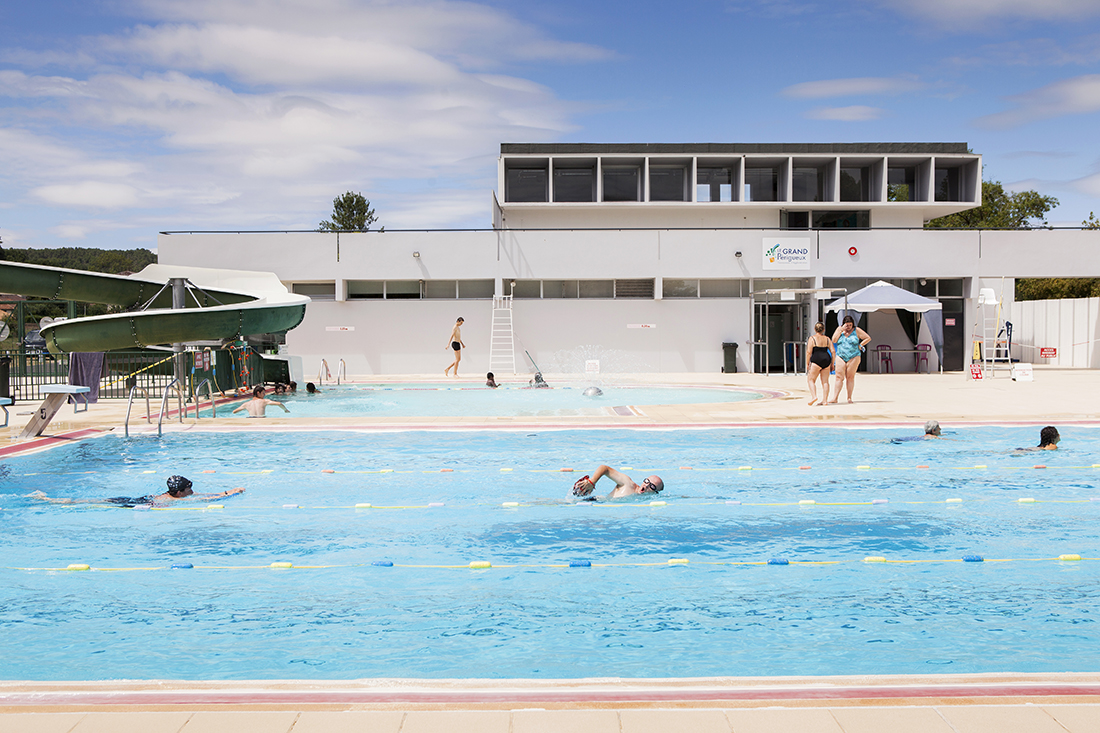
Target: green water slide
210, 304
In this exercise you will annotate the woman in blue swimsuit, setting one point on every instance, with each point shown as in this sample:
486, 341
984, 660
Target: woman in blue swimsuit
850, 343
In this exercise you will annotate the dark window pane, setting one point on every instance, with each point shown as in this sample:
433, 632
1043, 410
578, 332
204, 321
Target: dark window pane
842, 219
809, 184
795, 220
901, 184
947, 184
666, 184
926, 287
525, 184
951, 288
854, 184
714, 184
763, 184
621, 184
574, 184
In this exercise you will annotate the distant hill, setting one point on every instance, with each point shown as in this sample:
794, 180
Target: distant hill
111, 261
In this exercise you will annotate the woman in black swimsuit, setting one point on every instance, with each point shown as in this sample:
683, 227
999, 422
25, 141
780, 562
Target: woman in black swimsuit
819, 362
457, 345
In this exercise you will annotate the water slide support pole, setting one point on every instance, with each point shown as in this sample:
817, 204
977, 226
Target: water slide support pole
179, 296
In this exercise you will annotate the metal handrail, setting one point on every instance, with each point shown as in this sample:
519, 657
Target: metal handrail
130, 404
164, 403
342, 370
322, 371
210, 391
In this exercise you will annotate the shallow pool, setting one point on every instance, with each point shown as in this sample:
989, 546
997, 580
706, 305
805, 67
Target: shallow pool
438, 503
422, 400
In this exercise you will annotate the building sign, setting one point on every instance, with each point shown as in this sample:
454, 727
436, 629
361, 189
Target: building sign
1048, 352
949, 321
785, 253
641, 325
339, 328
975, 371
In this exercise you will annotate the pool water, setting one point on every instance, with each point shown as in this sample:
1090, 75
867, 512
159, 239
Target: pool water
438, 502
422, 400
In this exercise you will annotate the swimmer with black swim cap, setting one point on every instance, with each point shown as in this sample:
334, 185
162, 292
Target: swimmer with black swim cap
179, 489
624, 485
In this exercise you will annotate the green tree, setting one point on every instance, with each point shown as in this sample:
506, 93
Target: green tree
1000, 210
350, 213
1091, 223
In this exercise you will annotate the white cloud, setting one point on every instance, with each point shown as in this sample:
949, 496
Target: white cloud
861, 86
223, 112
94, 194
855, 113
1078, 95
950, 13
1089, 185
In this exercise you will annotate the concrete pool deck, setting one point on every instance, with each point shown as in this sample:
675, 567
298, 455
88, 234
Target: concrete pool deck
999, 703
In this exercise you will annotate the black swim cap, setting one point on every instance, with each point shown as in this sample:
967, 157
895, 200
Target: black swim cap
178, 483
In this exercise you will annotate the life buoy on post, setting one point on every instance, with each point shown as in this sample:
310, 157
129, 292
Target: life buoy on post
853, 251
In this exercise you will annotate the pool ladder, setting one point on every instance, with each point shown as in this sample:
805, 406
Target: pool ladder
323, 372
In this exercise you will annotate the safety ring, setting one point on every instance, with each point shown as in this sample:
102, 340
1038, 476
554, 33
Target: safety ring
853, 251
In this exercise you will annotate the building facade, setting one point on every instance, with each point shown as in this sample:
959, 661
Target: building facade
654, 258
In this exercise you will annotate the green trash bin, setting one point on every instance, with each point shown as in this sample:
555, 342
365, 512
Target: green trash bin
729, 354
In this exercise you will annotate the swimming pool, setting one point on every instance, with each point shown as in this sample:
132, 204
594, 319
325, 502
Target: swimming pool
438, 503
464, 400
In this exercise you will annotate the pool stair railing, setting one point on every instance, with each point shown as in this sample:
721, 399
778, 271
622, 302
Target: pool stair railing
129, 405
322, 372
173, 385
502, 343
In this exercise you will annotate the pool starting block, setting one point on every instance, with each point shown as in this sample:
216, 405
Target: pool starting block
4, 402
56, 396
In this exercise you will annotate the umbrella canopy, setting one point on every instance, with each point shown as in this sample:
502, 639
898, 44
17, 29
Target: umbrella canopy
882, 295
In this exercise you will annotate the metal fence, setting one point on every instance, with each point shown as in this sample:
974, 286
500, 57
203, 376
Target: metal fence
29, 369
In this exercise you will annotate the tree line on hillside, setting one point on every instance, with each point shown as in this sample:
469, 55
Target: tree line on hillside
111, 261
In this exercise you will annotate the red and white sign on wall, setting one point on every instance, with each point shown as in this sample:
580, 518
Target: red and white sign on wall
1048, 352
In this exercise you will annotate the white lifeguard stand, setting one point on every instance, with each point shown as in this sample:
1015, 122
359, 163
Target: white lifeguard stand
989, 347
502, 342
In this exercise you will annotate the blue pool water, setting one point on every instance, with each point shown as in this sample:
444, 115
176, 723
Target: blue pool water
465, 400
630, 615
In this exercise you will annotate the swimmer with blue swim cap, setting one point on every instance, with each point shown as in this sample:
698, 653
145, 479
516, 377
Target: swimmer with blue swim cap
179, 489
624, 485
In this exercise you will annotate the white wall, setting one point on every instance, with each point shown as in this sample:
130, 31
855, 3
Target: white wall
411, 337
398, 336
1071, 325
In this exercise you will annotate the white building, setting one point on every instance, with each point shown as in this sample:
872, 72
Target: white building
651, 257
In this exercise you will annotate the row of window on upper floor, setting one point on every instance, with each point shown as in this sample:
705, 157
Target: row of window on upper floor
745, 180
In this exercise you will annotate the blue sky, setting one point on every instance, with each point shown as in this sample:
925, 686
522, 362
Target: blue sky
122, 118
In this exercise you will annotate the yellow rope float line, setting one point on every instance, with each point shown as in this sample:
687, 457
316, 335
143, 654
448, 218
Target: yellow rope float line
486, 565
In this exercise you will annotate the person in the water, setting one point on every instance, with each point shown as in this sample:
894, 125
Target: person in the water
179, 489
624, 485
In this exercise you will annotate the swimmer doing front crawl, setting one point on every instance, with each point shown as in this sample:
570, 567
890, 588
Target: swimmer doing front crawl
179, 489
624, 485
